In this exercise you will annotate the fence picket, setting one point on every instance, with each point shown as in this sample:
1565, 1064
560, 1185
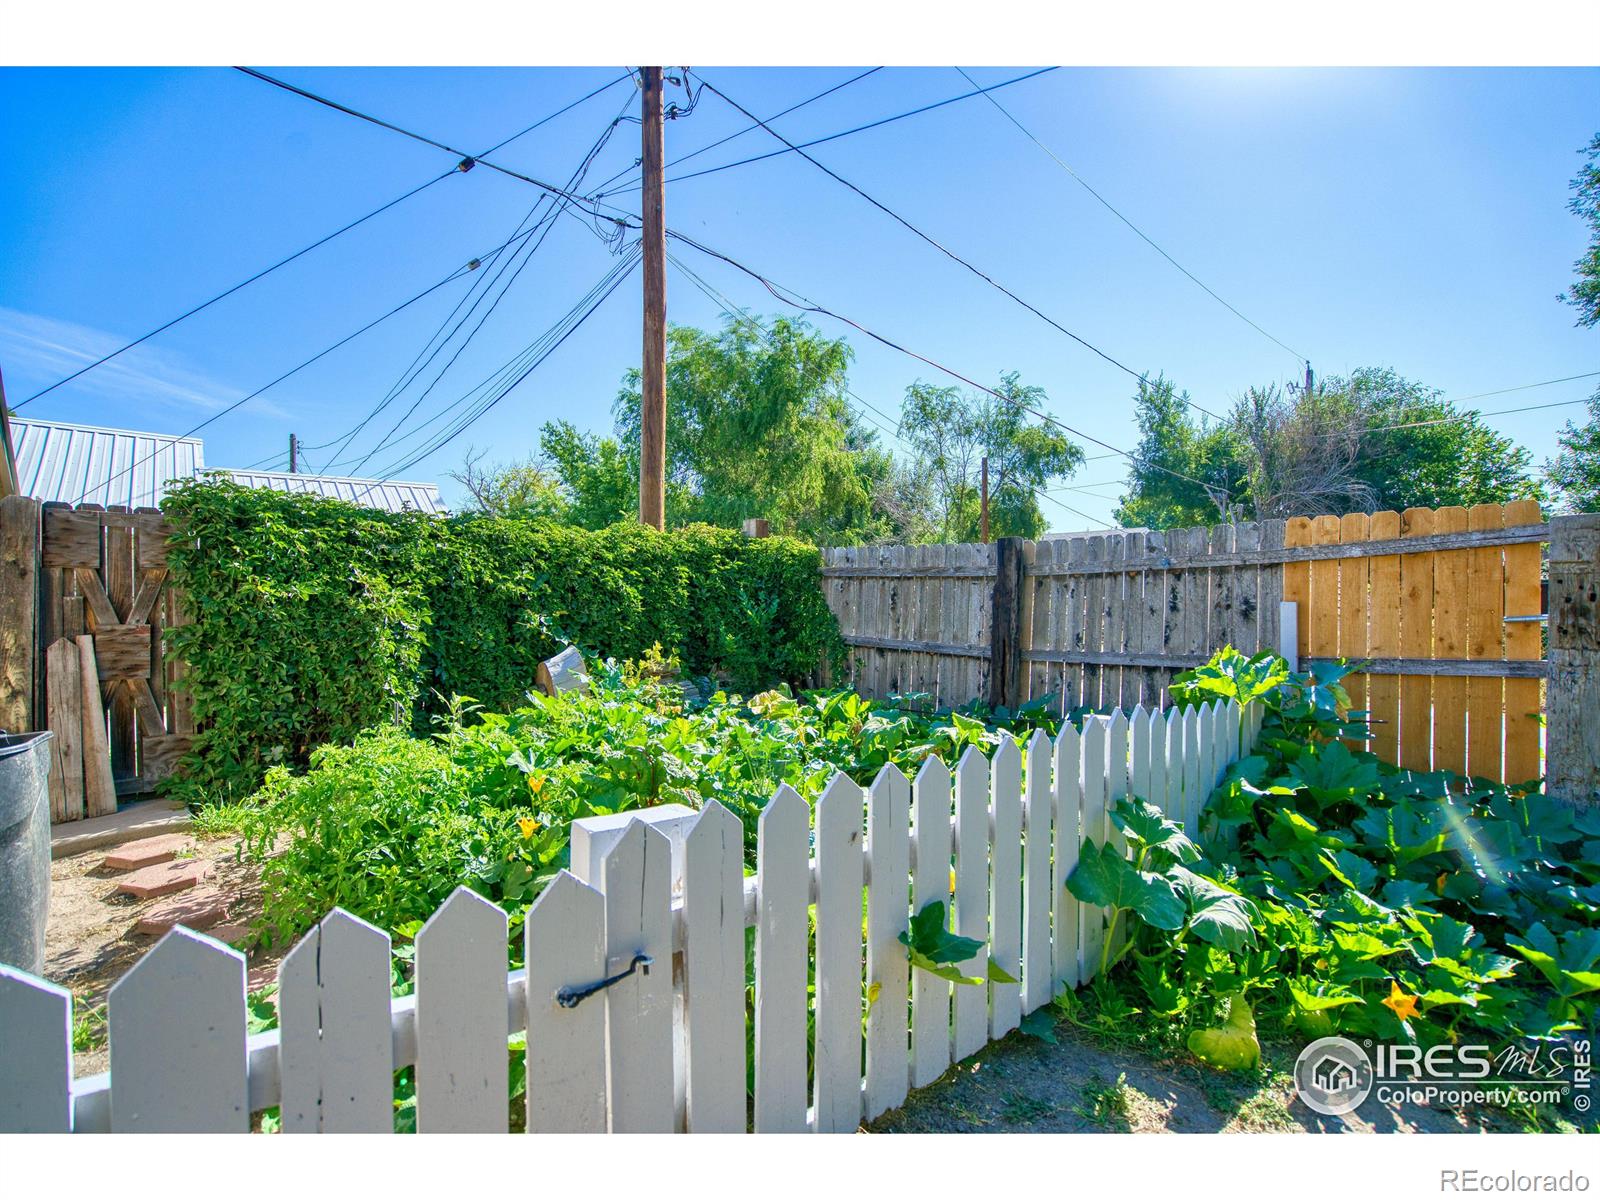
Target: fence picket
1191, 772
1066, 921
1139, 753
177, 1032
1172, 750
564, 943
888, 968
1156, 743
930, 995
35, 1054
971, 1022
1116, 771
1037, 970
783, 891
461, 1017
836, 1055
1093, 934
1005, 892
636, 875
335, 1050
713, 957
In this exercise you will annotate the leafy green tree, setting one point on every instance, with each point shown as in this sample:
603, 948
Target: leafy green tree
951, 432
1584, 294
1575, 470
1184, 471
599, 478
517, 489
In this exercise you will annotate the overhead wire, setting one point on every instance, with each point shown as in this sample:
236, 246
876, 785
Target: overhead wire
1114, 211
283, 262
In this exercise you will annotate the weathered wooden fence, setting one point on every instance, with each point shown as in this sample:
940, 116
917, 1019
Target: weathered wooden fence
1444, 605
71, 573
633, 999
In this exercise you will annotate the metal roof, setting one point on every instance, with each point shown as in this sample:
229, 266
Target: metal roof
85, 464
388, 494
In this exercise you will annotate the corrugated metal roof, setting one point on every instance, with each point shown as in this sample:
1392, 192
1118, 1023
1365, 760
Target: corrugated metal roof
85, 464
388, 494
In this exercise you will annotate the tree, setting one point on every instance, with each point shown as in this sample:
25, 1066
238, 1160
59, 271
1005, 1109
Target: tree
517, 489
599, 478
1584, 295
951, 432
1184, 472
1369, 441
1575, 470
759, 424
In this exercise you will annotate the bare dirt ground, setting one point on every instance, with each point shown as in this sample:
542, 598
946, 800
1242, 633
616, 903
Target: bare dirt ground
90, 941
1023, 1085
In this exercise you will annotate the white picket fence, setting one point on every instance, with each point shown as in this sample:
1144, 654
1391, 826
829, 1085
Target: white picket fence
661, 892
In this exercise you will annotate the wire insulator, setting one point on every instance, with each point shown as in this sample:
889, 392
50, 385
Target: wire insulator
466, 164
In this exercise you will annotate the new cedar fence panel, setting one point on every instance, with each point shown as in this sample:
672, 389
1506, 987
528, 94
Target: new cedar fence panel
1443, 605
601, 1054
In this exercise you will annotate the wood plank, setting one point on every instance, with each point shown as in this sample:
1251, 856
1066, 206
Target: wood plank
1041, 590
1133, 679
462, 1060
1297, 531
1222, 605
335, 1049
1175, 804
888, 969
1113, 622
1383, 637
1269, 582
177, 1037
836, 1053
1067, 840
150, 535
1038, 971
1005, 890
19, 615
72, 537
565, 941
1245, 584
930, 883
713, 967
1416, 641
99, 789
1522, 762
1153, 618
1451, 599
101, 612
64, 672
1352, 616
971, 1024
1068, 620
1323, 617
637, 884
783, 890
1092, 932
35, 1053
1094, 616
1197, 595
123, 651
1194, 790
1486, 629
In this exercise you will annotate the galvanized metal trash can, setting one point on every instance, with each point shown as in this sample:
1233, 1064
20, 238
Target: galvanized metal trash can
24, 848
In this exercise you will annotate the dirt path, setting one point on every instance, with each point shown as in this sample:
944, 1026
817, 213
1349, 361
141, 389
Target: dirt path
90, 940
1023, 1085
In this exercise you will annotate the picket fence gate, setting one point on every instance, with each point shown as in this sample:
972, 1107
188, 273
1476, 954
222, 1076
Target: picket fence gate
655, 909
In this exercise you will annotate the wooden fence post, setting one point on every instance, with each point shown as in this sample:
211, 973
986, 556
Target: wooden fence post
1008, 631
1572, 742
20, 659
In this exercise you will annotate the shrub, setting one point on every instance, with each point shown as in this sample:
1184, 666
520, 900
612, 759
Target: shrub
313, 619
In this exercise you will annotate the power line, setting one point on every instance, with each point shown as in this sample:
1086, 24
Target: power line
803, 304
948, 253
1111, 208
383, 208
833, 137
218, 415
600, 189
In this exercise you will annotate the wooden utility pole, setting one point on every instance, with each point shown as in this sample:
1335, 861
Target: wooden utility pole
653, 373
294, 454
983, 503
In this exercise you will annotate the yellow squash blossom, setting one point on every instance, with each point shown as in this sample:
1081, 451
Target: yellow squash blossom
528, 826
1401, 1005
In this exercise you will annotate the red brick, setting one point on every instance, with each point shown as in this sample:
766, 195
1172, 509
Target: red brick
198, 909
165, 878
147, 852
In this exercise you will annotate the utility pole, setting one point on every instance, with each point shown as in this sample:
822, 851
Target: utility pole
653, 372
983, 502
294, 454
1309, 380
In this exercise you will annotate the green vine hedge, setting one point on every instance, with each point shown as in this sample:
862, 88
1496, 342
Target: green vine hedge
313, 619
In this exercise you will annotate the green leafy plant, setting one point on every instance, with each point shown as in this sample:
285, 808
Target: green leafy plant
934, 949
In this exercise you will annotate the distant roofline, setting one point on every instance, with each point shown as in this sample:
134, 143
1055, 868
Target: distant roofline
138, 433
415, 483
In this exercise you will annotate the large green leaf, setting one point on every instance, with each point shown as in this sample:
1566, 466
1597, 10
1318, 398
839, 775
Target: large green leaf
1231, 1046
1332, 774
1104, 877
1147, 827
1216, 915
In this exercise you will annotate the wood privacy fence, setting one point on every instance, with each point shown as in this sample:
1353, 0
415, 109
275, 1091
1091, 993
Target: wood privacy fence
633, 1000
1443, 604
99, 574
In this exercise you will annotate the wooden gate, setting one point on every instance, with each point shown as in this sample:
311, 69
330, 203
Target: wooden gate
103, 573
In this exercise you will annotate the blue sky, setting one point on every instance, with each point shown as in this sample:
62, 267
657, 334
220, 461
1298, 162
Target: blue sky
1406, 218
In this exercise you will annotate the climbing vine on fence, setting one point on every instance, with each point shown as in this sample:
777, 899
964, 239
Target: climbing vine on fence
313, 619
